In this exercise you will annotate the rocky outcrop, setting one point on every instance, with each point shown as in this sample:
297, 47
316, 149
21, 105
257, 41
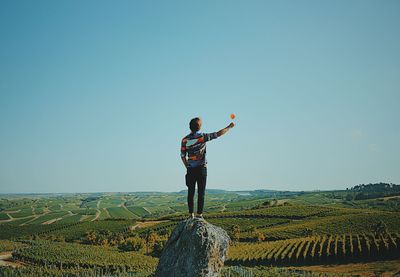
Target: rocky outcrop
195, 248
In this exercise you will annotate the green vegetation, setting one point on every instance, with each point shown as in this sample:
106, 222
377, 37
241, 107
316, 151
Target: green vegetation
6, 245
316, 249
4, 216
272, 232
356, 223
53, 271
78, 230
67, 255
119, 212
21, 212
369, 191
140, 211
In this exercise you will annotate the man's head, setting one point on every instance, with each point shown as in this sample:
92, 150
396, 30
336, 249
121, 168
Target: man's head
195, 124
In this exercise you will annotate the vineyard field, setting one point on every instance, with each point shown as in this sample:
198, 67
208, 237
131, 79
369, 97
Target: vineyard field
72, 255
356, 223
119, 212
77, 230
316, 249
246, 224
22, 213
272, 233
4, 216
140, 211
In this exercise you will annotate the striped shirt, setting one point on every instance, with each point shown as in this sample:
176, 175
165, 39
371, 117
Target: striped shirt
194, 146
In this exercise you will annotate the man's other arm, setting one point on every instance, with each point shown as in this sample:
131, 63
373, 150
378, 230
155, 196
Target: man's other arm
183, 154
185, 162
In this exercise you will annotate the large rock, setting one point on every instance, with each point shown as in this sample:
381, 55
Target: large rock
195, 248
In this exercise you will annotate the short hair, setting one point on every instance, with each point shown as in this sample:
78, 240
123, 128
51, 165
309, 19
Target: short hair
194, 124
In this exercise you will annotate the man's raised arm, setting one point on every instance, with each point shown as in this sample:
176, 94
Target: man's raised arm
225, 130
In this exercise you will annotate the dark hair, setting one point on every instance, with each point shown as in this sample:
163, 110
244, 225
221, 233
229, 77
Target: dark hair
194, 124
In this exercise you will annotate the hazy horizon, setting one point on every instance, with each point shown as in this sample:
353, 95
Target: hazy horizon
175, 191
96, 96
155, 191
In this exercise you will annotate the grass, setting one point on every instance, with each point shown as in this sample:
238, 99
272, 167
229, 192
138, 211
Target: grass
379, 268
3, 216
120, 212
140, 211
47, 217
70, 219
76, 231
23, 213
7, 245
355, 223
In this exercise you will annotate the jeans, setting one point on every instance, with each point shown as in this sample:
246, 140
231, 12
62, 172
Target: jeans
199, 175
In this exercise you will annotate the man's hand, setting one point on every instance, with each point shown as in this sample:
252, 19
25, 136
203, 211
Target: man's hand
226, 129
185, 162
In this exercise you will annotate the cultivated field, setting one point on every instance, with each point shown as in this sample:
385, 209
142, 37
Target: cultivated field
273, 233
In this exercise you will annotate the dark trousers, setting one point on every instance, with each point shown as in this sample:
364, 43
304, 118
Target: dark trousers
196, 175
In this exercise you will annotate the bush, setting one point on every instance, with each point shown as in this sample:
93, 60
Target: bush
158, 247
132, 244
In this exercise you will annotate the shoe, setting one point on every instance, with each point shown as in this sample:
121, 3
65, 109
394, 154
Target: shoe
200, 216
191, 216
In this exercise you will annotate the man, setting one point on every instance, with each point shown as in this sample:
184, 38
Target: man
194, 146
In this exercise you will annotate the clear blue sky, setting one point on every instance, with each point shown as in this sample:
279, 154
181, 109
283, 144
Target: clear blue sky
96, 95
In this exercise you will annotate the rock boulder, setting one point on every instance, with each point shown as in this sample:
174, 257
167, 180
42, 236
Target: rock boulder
195, 248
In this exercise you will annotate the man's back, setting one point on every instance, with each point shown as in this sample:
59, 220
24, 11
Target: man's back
194, 145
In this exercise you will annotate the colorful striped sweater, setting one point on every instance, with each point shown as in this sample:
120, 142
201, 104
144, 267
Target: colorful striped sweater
194, 146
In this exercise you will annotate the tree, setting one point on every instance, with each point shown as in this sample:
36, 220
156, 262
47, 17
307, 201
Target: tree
308, 232
120, 238
150, 238
349, 197
235, 233
266, 203
132, 244
260, 236
158, 247
380, 229
253, 229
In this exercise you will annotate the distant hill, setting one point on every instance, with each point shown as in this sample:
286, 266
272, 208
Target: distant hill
370, 191
259, 192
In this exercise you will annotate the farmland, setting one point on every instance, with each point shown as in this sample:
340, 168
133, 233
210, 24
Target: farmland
275, 232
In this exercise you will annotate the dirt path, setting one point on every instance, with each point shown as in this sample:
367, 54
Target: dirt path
379, 268
84, 217
15, 218
34, 217
51, 221
6, 260
10, 218
106, 211
123, 206
12, 212
144, 208
98, 213
390, 197
143, 224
